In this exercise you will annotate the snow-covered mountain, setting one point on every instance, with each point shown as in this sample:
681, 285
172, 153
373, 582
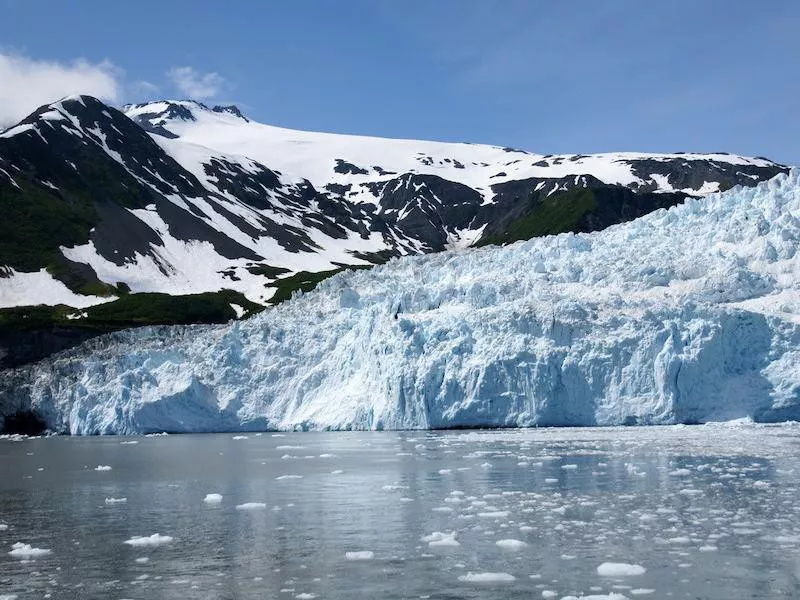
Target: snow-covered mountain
180, 198
689, 314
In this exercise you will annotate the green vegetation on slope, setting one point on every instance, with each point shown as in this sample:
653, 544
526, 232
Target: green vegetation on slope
132, 310
555, 214
304, 281
36, 222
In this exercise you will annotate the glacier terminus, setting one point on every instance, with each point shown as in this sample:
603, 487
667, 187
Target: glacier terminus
685, 315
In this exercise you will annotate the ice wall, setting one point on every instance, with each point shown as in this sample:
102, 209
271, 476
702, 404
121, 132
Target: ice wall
686, 315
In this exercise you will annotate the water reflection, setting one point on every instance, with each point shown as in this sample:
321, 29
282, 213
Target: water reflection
709, 512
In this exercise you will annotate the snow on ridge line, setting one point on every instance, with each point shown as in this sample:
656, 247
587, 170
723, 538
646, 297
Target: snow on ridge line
315, 155
686, 315
159, 106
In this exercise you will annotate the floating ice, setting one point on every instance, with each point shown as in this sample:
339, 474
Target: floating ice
116, 500
487, 578
213, 498
493, 514
609, 569
152, 540
680, 472
394, 488
251, 506
360, 555
20, 550
102, 468
611, 596
510, 544
440, 539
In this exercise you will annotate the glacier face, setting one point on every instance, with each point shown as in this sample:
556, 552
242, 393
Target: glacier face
686, 315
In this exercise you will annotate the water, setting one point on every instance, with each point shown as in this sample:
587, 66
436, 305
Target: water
708, 512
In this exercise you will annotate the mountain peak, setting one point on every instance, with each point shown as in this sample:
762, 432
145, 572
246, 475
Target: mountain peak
230, 109
183, 110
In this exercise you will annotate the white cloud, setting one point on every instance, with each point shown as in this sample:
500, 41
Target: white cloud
26, 84
144, 88
196, 85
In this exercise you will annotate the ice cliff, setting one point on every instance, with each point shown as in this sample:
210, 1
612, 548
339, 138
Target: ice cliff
685, 315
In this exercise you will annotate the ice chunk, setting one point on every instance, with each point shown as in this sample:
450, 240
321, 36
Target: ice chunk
102, 468
213, 498
493, 514
487, 577
440, 539
151, 540
251, 506
611, 596
609, 569
510, 544
21, 550
360, 555
116, 500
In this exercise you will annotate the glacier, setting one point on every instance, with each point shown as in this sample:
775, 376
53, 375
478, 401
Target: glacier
686, 315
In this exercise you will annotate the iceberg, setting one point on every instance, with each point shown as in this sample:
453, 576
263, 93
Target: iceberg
686, 315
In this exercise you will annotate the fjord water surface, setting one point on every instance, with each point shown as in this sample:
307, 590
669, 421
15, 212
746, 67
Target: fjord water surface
688, 512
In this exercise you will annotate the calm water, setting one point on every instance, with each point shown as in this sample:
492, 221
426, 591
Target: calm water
708, 512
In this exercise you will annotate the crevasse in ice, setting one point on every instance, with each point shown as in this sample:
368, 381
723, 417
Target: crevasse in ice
685, 315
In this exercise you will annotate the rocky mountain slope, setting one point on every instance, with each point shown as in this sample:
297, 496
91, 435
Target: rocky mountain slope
685, 315
109, 216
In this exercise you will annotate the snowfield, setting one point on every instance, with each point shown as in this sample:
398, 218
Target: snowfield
313, 155
685, 315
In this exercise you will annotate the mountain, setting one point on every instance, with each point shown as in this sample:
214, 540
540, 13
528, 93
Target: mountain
685, 315
172, 212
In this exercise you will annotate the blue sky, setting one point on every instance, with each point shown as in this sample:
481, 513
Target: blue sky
567, 76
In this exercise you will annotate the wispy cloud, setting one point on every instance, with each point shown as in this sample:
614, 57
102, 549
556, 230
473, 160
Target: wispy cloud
194, 84
26, 84
143, 88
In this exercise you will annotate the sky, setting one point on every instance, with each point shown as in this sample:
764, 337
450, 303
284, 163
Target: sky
549, 77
